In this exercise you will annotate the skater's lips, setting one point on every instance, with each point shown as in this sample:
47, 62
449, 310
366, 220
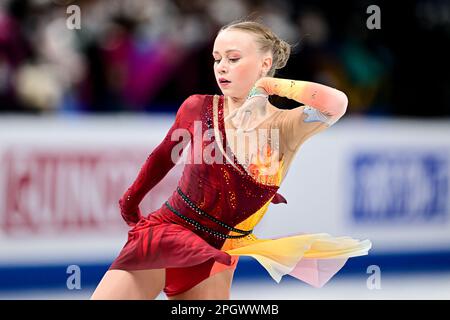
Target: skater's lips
223, 80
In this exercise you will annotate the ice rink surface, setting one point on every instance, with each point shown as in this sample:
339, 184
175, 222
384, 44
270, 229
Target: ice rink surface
411, 286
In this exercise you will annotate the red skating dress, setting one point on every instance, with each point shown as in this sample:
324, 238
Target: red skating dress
186, 234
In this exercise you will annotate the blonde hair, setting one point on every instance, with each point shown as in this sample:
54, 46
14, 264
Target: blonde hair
267, 41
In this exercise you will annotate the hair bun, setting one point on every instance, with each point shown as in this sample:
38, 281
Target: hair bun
281, 51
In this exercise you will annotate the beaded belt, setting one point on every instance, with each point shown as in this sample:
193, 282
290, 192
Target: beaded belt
202, 227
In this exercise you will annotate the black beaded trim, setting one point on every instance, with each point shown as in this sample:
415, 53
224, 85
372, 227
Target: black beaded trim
201, 212
201, 227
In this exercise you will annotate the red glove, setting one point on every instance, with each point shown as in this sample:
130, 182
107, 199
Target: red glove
131, 217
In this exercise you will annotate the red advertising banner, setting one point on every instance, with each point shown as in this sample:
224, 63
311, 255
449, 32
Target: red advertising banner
52, 191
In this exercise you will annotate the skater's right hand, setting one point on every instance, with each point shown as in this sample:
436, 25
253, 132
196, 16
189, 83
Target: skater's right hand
131, 216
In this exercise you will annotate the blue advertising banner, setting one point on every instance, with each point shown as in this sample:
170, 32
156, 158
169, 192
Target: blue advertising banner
400, 187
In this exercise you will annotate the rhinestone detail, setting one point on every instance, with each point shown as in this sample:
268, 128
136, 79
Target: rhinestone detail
201, 212
198, 226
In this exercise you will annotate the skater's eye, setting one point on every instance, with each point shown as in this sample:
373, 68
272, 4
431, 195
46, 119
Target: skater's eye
232, 60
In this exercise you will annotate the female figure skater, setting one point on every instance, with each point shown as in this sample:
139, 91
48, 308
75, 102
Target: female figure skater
190, 246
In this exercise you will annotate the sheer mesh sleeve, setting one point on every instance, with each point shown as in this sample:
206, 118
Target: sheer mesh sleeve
322, 103
323, 107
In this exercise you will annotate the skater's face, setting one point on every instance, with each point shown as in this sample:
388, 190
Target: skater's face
238, 62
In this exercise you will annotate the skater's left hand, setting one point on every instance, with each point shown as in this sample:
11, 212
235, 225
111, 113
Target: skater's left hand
251, 113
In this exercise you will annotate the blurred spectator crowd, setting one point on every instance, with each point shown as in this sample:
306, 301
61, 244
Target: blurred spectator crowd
149, 55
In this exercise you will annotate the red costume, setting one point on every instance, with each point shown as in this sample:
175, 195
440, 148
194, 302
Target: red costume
164, 240
185, 235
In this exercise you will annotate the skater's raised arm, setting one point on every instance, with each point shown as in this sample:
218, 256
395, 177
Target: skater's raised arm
330, 103
323, 106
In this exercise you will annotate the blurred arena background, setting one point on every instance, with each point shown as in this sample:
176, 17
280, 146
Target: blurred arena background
89, 88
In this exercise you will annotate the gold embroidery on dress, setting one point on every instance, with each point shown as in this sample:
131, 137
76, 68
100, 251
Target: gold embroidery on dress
266, 167
254, 219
